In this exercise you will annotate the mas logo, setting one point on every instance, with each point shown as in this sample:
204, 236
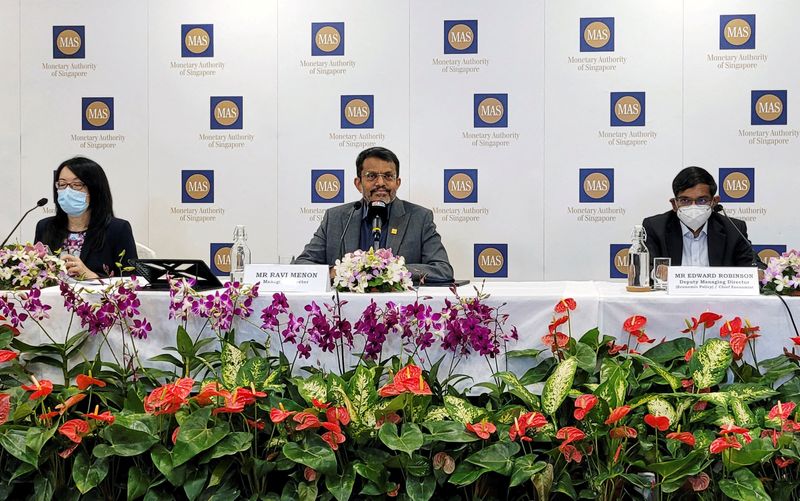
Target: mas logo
97, 113
737, 185
69, 42
226, 112
197, 186
221, 259
197, 40
326, 186
619, 260
490, 110
597, 34
461, 37
358, 112
461, 186
327, 39
491, 261
627, 109
768, 107
737, 32
596, 186
765, 252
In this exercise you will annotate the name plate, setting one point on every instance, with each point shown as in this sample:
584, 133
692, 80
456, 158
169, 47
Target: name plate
288, 277
708, 281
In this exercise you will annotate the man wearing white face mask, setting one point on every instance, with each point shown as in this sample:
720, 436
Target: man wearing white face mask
692, 233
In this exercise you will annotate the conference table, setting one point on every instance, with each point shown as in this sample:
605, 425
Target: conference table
529, 306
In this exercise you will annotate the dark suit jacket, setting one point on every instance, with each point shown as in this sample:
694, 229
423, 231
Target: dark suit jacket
725, 246
118, 237
416, 239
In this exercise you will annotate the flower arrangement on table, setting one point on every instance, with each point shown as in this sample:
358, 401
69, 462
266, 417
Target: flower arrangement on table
782, 275
28, 266
372, 271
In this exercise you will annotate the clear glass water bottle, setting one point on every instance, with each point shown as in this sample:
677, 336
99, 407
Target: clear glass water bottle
240, 253
638, 259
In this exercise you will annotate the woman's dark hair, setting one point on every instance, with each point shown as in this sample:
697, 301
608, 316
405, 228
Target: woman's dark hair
692, 176
377, 152
100, 205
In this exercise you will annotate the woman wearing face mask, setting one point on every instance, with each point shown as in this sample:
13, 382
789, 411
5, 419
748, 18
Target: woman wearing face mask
84, 227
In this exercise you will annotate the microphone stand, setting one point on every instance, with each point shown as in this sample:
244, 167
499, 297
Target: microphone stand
38, 204
754, 261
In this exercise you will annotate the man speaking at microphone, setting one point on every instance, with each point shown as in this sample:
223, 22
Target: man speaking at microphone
694, 233
381, 219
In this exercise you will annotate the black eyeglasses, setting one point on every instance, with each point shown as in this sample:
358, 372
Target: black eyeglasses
373, 176
75, 185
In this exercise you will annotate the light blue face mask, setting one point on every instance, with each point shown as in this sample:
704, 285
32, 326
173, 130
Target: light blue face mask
72, 202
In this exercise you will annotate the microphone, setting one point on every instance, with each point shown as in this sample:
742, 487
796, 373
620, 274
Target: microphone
377, 213
356, 207
755, 261
41, 202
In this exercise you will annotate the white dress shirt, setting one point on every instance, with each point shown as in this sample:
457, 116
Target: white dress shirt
695, 249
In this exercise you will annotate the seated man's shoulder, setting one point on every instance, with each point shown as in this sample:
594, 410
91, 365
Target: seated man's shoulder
659, 219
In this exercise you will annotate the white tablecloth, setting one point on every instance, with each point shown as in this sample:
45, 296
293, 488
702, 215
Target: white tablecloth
528, 304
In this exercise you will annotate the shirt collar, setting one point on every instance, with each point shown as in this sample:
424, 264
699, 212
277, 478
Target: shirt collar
687, 232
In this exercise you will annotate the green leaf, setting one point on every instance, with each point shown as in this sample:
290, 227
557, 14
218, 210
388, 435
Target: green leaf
748, 393
318, 457
660, 407
232, 359
744, 486
13, 441
543, 481
238, 441
586, 356
420, 488
306, 491
447, 431
591, 338
194, 436
465, 474
518, 389
525, 468
162, 460
88, 475
755, 452
363, 397
673, 381
710, 363
681, 467
741, 413
42, 489
670, 350
123, 442
184, 342
529, 353
558, 385
137, 483
462, 411
498, 457
312, 387
195, 481
253, 373
341, 486
409, 440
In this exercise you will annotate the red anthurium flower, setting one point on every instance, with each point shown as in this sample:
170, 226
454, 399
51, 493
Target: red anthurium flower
557, 322
773, 435
570, 452
39, 388
306, 420
71, 401
209, 391
105, 417
617, 414
482, 429
570, 434
5, 407
634, 323
248, 396
613, 349
727, 429
642, 337
723, 443
622, 432
310, 474
75, 430
700, 482
533, 420
730, 327
338, 415
391, 417
48, 416
583, 405
320, 405
258, 425
407, 380
796, 340
333, 439
68, 451
690, 327
783, 462
277, 415
7, 355
687, 383
661, 423
689, 354
683, 436
331, 426
167, 399
174, 436
564, 305
782, 410
83, 381
560, 340
708, 319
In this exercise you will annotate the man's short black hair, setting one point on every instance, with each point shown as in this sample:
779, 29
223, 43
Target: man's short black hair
377, 152
692, 176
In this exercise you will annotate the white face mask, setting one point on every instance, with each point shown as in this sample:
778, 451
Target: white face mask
694, 216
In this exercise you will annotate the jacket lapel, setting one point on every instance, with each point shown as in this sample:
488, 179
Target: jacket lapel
398, 221
716, 242
352, 239
674, 239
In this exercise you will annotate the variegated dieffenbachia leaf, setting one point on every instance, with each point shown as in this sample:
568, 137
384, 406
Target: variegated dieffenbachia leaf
337, 390
518, 389
614, 382
232, 359
673, 381
312, 387
363, 396
270, 382
748, 392
660, 407
741, 413
436, 414
710, 363
557, 386
462, 411
253, 373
